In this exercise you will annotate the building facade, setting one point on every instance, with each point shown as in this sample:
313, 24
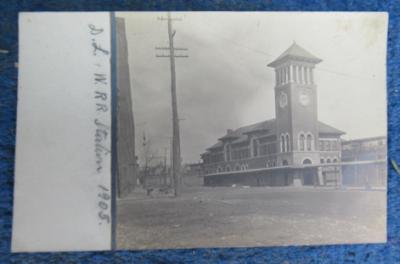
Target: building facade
295, 148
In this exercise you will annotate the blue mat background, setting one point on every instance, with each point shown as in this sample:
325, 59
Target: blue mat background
361, 253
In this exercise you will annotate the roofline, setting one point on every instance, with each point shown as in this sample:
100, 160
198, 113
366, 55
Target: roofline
228, 137
280, 61
257, 131
364, 139
332, 133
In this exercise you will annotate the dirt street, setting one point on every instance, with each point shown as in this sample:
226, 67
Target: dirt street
256, 216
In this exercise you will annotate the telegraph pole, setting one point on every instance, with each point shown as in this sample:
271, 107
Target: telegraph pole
165, 167
176, 149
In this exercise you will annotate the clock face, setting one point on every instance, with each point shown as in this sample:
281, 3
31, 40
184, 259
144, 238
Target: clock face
304, 98
283, 100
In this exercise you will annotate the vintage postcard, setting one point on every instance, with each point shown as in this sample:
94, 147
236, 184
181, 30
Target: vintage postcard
156, 130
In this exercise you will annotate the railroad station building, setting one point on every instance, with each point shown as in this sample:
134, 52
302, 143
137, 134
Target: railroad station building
295, 148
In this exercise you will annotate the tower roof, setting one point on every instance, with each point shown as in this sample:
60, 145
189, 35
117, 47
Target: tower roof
295, 52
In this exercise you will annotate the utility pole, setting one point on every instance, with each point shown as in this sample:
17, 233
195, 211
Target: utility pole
145, 160
176, 150
165, 167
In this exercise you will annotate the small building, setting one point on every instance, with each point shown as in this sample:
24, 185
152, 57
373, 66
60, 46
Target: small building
192, 174
361, 153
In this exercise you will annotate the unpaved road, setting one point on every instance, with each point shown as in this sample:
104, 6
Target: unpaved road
257, 216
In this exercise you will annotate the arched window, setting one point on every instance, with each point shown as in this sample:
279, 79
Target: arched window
306, 74
309, 142
228, 168
301, 142
284, 75
322, 161
287, 143
307, 161
285, 163
328, 160
237, 167
299, 69
334, 160
255, 148
283, 143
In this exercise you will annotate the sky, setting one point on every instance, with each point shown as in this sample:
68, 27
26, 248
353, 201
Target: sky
225, 82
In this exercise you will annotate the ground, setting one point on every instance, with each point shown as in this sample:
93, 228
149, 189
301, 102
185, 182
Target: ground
251, 216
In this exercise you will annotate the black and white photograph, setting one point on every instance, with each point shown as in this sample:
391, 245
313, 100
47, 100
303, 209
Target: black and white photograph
248, 129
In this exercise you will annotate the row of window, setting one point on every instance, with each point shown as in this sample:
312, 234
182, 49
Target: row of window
285, 143
264, 149
296, 73
241, 154
306, 142
244, 153
237, 167
363, 145
329, 160
328, 145
268, 149
214, 157
271, 163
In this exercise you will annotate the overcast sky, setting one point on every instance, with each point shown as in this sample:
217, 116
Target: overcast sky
225, 82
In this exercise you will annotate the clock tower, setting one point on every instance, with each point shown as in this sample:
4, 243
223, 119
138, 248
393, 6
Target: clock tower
296, 106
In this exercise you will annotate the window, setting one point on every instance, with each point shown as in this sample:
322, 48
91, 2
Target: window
228, 152
285, 163
272, 148
263, 149
333, 145
283, 144
301, 142
321, 145
326, 145
271, 163
334, 160
309, 142
287, 143
237, 167
241, 153
322, 161
228, 168
255, 148
328, 160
